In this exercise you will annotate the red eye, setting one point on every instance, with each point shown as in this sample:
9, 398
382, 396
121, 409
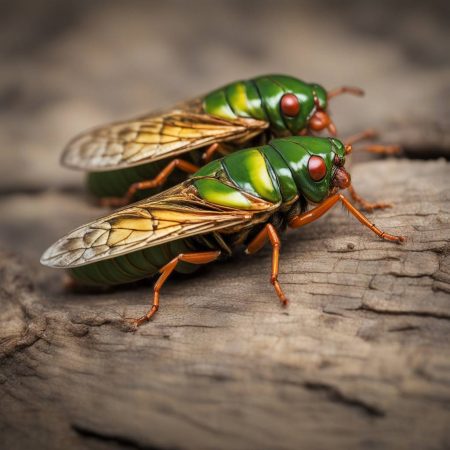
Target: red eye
289, 105
317, 168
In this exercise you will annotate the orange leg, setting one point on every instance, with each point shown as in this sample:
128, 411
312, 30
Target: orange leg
367, 206
193, 258
257, 243
212, 150
361, 136
345, 90
323, 207
383, 149
372, 148
159, 180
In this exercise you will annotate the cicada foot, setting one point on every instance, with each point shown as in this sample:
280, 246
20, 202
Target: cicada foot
365, 205
371, 206
193, 258
322, 208
135, 323
269, 232
281, 296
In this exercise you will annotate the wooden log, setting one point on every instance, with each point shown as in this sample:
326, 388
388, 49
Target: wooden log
359, 359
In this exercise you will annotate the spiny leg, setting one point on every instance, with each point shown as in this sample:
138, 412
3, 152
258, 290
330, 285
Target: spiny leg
193, 258
323, 207
159, 180
257, 243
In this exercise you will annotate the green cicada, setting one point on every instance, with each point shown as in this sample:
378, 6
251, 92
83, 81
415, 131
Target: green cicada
135, 158
238, 201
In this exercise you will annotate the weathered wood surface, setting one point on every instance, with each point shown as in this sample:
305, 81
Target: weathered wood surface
361, 355
360, 358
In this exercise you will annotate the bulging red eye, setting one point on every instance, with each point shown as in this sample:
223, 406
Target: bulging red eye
317, 168
289, 104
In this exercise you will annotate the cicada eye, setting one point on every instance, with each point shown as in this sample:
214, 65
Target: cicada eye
317, 168
289, 104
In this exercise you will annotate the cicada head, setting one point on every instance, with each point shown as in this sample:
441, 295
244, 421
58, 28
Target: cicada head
316, 164
293, 106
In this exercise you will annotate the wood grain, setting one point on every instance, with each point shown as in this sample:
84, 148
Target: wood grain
360, 358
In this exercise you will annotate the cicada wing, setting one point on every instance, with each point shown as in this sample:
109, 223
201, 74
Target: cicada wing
173, 214
153, 137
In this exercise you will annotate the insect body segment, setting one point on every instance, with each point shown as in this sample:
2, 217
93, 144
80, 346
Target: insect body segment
285, 102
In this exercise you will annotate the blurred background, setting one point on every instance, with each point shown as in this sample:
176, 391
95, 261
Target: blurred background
67, 66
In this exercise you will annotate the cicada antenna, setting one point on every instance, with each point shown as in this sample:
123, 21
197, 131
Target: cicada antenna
345, 90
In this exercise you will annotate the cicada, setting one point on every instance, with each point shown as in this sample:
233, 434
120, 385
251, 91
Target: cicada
136, 158
233, 203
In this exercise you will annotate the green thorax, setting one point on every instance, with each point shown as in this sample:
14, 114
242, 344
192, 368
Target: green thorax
275, 173
259, 98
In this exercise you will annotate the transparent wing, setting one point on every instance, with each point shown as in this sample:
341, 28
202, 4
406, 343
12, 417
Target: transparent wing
130, 143
173, 214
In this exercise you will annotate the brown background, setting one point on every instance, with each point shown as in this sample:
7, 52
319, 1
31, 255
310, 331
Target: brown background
361, 357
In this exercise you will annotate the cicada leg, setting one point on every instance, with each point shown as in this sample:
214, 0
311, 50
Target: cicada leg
372, 148
361, 136
257, 243
383, 149
193, 258
380, 149
345, 90
323, 207
159, 180
367, 206
212, 150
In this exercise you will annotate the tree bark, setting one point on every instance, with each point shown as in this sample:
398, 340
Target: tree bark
359, 359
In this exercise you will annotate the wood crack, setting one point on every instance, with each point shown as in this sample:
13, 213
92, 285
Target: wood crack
119, 441
337, 396
371, 309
